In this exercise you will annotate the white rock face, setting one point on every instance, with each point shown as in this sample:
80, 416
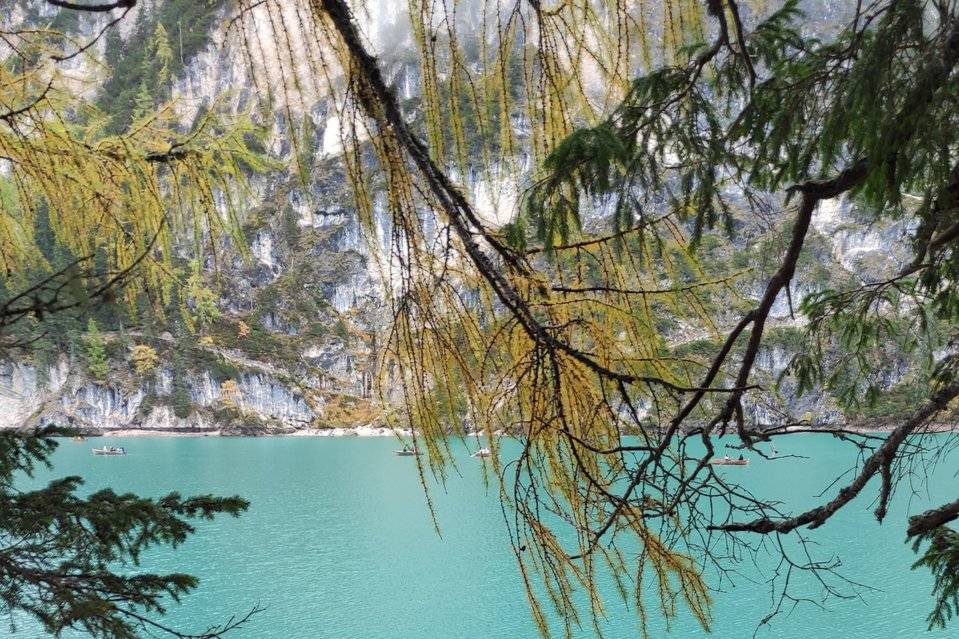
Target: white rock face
856, 245
69, 399
262, 249
496, 199
20, 394
332, 137
773, 360
266, 396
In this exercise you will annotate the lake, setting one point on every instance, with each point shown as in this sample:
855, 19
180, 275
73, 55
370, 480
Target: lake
338, 543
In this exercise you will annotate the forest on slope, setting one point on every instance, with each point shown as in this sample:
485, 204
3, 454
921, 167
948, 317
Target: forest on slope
238, 347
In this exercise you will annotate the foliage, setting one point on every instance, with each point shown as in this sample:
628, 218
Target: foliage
941, 557
341, 331
144, 359
230, 394
260, 343
147, 404
346, 411
128, 191
558, 328
96, 356
70, 560
163, 42
200, 309
180, 396
156, 72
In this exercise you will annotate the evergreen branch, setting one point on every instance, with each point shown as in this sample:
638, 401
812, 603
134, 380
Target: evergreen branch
927, 521
381, 105
644, 291
10, 115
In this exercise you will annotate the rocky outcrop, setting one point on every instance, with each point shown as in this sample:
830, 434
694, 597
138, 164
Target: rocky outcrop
264, 402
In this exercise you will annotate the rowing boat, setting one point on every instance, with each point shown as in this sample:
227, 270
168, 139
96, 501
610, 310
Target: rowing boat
111, 451
728, 461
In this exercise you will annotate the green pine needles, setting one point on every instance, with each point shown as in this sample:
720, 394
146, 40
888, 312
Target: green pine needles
96, 354
70, 560
941, 557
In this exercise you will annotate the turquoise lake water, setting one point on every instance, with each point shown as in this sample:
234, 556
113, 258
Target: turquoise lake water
338, 543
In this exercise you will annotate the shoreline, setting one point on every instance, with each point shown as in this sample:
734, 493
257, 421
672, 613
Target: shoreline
361, 431
367, 431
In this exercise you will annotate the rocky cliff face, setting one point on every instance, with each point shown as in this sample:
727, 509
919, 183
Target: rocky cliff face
298, 310
265, 401
299, 315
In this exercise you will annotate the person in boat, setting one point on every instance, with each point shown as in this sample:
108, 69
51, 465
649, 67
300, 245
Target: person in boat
726, 458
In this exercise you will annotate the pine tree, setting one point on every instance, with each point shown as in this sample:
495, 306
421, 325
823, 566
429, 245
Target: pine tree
155, 76
162, 57
200, 309
73, 563
143, 102
95, 352
69, 557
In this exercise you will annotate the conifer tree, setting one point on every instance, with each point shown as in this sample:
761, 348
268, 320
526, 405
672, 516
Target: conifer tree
85, 217
61, 549
199, 310
95, 352
161, 56
155, 76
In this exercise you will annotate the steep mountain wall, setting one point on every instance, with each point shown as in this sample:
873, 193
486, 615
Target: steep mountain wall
294, 342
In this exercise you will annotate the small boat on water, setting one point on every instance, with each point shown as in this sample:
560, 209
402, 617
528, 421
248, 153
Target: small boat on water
113, 451
729, 461
406, 452
482, 453
79, 438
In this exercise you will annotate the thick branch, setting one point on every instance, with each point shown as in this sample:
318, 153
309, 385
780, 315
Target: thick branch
95, 8
812, 193
381, 105
932, 519
884, 454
